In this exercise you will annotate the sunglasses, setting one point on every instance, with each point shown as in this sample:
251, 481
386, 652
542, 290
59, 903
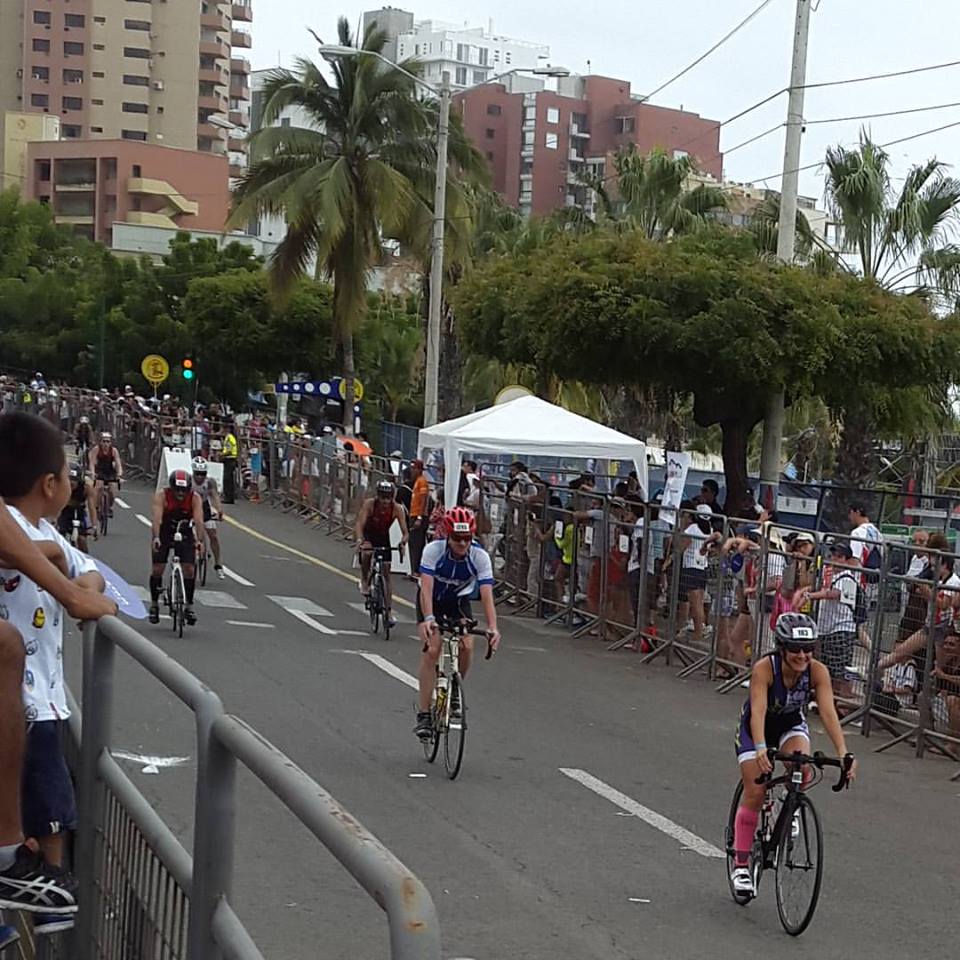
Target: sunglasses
797, 648
461, 539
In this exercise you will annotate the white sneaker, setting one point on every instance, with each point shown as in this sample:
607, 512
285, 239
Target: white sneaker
795, 826
689, 626
220, 574
742, 880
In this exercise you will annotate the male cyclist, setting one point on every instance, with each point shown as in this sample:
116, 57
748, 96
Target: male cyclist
781, 686
83, 439
451, 572
82, 506
106, 467
206, 488
374, 521
176, 505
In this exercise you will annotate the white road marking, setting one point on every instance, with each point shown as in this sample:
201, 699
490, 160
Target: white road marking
302, 604
659, 822
310, 622
360, 608
121, 503
144, 520
243, 581
251, 623
270, 556
387, 667
219, 598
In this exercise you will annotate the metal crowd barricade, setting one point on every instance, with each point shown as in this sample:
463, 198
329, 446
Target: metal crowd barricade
143, 894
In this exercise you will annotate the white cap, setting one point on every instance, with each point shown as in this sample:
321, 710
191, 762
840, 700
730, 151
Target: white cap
704, 510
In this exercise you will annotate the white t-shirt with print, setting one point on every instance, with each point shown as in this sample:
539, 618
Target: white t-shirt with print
692, 557
838, 615
636, 535
39, 618
862, 540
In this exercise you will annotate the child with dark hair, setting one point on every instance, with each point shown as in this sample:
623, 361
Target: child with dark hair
34, 480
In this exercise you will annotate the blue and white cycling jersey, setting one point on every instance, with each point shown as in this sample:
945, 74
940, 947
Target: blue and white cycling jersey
454, 578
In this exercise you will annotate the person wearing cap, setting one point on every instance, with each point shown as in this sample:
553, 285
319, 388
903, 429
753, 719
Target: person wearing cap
694, 545
419, 513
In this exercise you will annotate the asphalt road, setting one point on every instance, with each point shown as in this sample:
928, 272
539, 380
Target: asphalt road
525, 861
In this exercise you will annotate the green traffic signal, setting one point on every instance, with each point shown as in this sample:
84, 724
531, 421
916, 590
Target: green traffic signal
188, 369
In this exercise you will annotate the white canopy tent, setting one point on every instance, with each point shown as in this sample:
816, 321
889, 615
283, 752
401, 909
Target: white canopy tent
528, 427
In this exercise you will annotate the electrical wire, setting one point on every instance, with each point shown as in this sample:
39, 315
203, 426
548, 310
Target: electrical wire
888, 113
714, 48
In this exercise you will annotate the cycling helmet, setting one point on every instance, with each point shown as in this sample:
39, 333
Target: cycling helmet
460, 520
385, 488
105, 436
180, 482
84, 419
200, 466
796, 630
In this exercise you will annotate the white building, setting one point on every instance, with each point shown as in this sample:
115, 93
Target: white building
471, 55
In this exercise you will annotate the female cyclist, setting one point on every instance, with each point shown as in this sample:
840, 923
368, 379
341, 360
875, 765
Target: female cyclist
774, 717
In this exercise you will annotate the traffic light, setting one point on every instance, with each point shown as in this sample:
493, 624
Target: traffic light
187, 369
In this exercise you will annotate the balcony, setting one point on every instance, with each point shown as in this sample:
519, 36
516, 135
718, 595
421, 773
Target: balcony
210, 132
240, 118
215, 20
242, 11
576, 131
239, 65
75, 219
214, 48
237, 169
150, 187
239, 90
211, 102
240, 38
214, 75
146, 218
237, 143
76, 186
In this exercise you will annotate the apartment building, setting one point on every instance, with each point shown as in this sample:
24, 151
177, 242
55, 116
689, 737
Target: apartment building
541, 144
163, 73
471, 55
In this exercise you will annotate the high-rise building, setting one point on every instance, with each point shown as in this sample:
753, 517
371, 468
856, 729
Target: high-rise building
163, 73
470, 55
542, 145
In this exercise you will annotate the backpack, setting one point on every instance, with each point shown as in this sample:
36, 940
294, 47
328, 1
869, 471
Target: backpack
874, 558
861, 611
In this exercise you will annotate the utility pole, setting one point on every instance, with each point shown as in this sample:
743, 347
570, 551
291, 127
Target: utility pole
786, 242
432, 379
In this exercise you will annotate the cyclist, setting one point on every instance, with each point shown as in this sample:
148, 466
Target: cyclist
83, 439
107, 469
781, 686
452, 571
374, 521
178, 502
206, 488
81, 506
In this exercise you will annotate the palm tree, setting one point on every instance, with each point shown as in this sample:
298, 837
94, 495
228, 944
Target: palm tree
900, 241
352, 176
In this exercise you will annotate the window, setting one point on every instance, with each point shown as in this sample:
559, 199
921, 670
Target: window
72, 103
528, 138
97, 103
134, 80
40, 73
96, 129
494, 109
479, 76
72, 49
491, 133
136, 170
463, 52
159, 109
526, 167
135, 108
579, 120
39, 100
71, 131
484, 56
138, 53
133, 135
73, 76
461, 76
553, 115
136, 25
41, 16
40, 46
99, 46
99, 19
99, 74
551, 141
74, 20
623, 125
43, 171
680, 154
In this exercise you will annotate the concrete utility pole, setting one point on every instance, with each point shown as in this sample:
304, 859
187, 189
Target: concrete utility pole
432, 379
786, 242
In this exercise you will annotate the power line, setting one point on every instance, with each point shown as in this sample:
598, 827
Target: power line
888, 113
715, 47
759, 136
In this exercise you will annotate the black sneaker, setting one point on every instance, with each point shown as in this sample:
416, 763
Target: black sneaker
36, 886
154, 615
424, 727
189, 615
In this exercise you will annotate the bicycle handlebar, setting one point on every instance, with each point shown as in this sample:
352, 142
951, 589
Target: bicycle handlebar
818, 760
464, 627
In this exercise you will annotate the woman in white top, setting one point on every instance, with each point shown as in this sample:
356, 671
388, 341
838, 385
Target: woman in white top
694, 545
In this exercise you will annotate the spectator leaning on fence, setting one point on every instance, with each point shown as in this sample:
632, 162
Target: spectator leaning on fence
419, 514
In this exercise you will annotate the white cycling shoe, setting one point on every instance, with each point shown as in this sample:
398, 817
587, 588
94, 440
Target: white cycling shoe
742, 880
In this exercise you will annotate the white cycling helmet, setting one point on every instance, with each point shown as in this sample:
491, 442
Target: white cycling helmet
84, 419
200, 466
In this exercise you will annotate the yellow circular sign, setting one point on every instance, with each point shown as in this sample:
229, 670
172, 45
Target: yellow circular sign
357, 390
155, 369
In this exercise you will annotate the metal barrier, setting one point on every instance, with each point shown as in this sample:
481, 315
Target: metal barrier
143, 895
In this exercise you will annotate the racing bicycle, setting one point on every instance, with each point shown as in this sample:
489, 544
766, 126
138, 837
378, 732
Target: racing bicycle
789, 839
448, 708
377, 600
103, 507
175, 594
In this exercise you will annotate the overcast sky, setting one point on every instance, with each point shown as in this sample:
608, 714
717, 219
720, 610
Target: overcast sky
648, 41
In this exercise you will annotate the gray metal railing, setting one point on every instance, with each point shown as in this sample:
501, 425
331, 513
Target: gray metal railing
142, 893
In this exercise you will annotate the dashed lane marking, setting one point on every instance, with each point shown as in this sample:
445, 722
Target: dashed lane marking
302, 604
121, 503
251, 623
386, 666
233, 575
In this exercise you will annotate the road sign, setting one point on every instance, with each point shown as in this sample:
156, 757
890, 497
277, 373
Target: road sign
357, 389
155, 369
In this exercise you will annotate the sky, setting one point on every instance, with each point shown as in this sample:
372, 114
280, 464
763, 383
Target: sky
648, 41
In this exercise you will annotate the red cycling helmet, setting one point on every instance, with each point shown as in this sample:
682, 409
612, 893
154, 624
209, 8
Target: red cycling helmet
180, 481
460, 520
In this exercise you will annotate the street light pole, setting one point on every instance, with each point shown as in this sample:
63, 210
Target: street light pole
432, 379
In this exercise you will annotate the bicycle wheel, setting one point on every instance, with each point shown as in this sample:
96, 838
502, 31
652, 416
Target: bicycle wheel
756, 851
104, 513
432, 746
375, 605
202, 571
382, 594
455, 730
799, 867
178, 602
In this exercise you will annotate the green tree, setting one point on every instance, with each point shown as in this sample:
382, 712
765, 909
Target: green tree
345, 179
391, 354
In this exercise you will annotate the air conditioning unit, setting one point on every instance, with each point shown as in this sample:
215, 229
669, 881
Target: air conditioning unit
157, 84
19, 74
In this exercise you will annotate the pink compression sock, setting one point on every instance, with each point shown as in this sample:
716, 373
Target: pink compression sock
744, 828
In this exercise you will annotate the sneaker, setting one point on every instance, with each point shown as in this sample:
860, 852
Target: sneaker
456, 707
424, 727
154, 615
188, 615
391, 621
46, 924
220, 574
742, 880
795, 826
8, 936
36, 886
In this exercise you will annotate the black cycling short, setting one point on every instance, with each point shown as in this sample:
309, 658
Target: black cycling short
456, 609
66, 518
186, 549
107, 476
